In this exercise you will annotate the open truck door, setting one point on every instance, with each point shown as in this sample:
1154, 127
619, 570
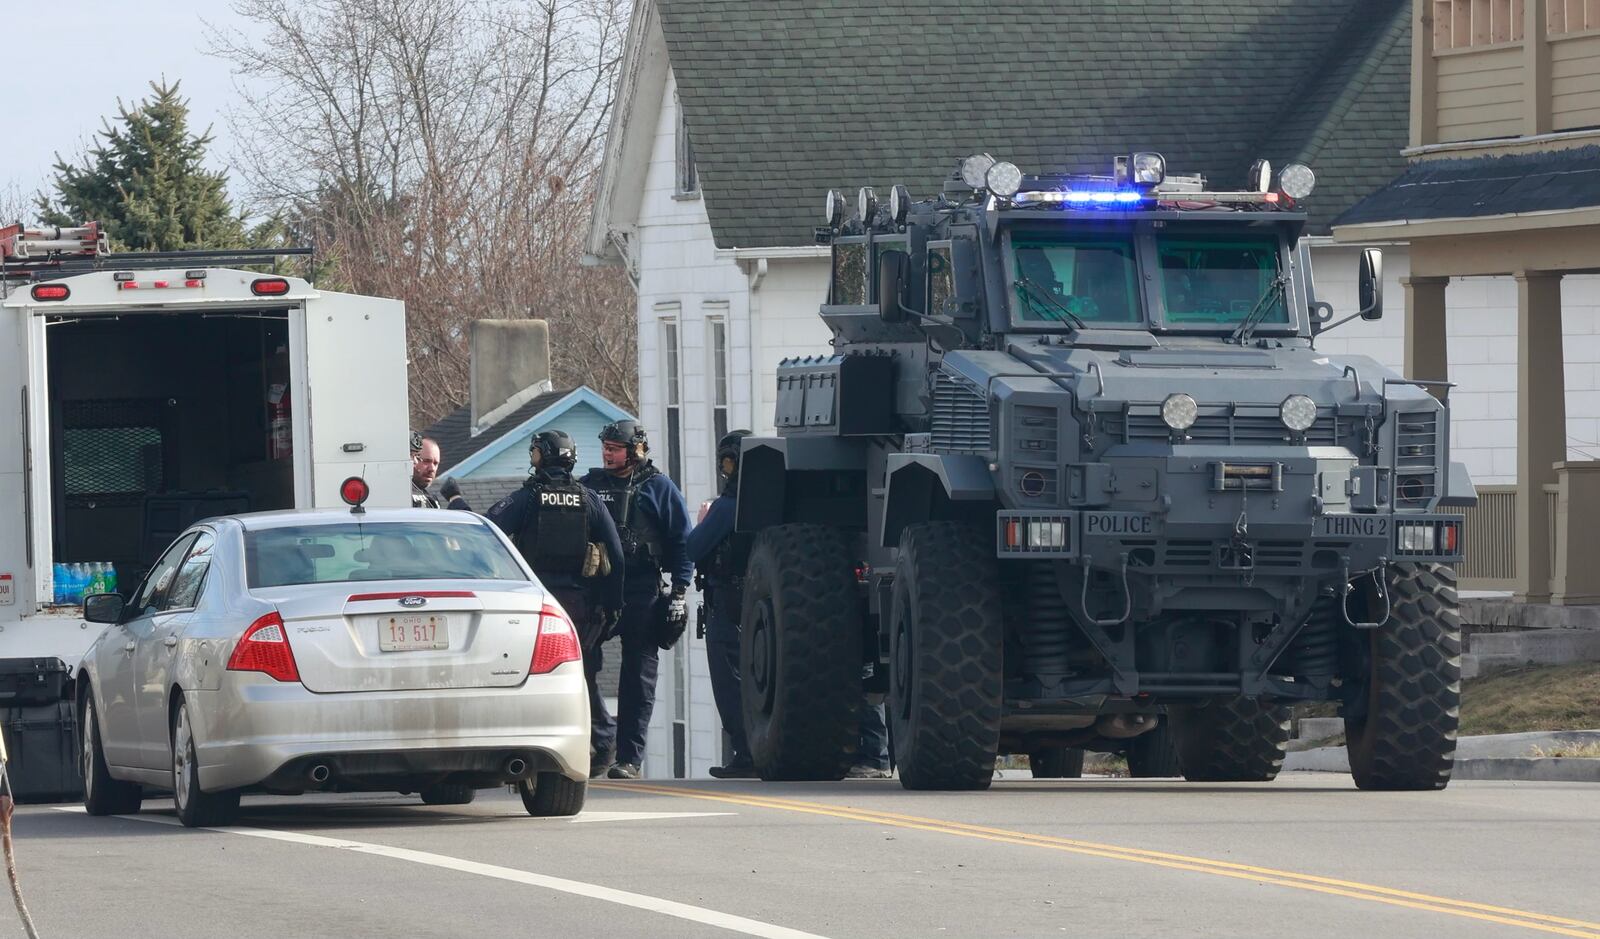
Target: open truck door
351, 374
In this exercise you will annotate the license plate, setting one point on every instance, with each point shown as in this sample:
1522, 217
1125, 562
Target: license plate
409, 632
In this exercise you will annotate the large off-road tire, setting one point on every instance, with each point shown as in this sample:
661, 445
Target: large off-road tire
1405, 736
196, 808
1230, 739
102, 795
1056, 763
945, 658
1152, 754
549, 795
800, 653
448, 794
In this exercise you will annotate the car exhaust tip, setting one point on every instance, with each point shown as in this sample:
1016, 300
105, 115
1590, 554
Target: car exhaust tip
516, 766
319, 773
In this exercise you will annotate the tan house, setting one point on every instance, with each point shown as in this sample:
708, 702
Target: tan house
1504, 179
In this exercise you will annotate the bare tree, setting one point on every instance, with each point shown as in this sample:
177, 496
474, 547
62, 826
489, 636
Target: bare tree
444, 152
15, 206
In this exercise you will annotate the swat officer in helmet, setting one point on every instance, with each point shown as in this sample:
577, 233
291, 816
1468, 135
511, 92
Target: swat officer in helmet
425, 457
569, 540
720, 554
653, 521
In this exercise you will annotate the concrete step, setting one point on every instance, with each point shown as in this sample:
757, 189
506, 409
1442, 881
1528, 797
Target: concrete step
1490, 651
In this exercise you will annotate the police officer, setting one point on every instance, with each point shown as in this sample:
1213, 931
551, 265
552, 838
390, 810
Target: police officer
719, 554
653, 522
424, 467
570, 541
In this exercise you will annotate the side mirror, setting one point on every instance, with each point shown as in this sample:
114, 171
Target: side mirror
893, 268
103, 607
1371, 291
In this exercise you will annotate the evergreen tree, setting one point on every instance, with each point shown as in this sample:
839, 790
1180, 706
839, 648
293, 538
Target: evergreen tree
145, 182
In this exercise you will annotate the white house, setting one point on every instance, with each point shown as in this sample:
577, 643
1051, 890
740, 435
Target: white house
733, 121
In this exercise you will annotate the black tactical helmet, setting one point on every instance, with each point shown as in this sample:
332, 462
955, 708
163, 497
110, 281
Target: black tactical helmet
628, 433
556, 449
728, 447
416, 443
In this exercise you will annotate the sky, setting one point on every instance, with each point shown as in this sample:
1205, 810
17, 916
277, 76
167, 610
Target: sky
69, 63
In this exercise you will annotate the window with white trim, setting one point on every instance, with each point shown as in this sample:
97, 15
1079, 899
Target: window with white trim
688, 177
672, 397
717, 373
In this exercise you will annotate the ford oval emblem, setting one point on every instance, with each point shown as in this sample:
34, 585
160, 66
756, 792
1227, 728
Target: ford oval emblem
413, 601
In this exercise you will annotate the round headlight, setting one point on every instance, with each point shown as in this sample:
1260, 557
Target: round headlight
1003, 179
975, 169
899, 203
1297, 181
1179, 411
1260, 179
1298, 413
835, 208
866, 201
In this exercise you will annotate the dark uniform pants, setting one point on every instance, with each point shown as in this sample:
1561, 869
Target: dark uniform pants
722, 658
636, 685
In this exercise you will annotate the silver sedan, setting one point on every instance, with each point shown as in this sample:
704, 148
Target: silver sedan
390, 650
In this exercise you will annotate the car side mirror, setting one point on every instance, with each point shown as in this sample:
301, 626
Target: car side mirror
103, 607
1371, 284
893, 266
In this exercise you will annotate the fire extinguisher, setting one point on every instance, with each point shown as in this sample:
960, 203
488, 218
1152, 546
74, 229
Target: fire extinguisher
278, 435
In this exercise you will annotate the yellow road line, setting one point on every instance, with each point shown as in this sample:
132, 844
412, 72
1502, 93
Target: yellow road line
1327, 885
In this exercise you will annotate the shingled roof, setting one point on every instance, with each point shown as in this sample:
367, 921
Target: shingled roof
453, 432
1473, 187
784, 100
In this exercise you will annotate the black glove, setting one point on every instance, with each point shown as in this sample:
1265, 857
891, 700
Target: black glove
671, 618
450, 489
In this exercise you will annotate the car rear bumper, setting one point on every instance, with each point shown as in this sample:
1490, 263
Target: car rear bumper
253, 728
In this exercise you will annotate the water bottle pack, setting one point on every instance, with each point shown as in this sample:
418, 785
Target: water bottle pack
76, 580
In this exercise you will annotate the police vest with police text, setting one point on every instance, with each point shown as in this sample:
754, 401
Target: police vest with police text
555, 537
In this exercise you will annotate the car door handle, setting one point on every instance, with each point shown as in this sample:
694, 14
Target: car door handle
130, 647
170, 641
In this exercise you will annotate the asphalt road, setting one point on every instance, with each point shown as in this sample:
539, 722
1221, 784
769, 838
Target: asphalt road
1306, 856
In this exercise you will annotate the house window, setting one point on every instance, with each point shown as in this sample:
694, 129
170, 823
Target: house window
688, 178
673, 399
717, 371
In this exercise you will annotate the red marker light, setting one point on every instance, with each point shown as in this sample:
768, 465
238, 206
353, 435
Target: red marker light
269, 286
354, 491
51, 292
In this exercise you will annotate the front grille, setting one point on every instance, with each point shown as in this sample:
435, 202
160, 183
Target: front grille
1188, 553
1279, 554
960, 416
1220, 426
1034, 431
1416, 459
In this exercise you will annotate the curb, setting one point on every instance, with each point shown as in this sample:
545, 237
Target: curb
1490, 756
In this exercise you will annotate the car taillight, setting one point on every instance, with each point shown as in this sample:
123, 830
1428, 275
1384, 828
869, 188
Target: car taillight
51, 292
269, 286
264, 647
556, 643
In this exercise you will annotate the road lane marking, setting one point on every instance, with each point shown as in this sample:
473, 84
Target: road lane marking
1328, 885
587, 816
695, 914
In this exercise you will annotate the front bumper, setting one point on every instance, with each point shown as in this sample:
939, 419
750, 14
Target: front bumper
1161, 544
252, 727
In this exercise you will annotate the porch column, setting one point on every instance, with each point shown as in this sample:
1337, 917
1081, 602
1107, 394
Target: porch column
1541, 426
1426, 355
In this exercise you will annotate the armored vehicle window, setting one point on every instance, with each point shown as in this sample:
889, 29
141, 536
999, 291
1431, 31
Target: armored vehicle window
1091, 279
941, 278
1219, 279
850, 274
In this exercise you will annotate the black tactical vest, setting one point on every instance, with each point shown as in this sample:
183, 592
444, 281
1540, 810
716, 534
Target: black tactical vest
555, 536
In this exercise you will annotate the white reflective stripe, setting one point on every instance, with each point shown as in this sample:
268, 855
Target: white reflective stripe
696, 914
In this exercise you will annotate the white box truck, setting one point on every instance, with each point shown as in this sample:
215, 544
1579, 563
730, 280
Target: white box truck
140, 392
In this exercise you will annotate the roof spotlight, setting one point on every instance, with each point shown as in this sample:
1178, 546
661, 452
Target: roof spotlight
835, 208
975, 169
1297, 181
866, 203
1260, 178
1147, 169
899, 203
1003, 179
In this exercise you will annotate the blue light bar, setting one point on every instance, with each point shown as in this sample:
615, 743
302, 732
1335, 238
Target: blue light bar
1085, 197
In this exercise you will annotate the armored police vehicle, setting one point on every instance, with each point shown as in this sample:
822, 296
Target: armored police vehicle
1075, 476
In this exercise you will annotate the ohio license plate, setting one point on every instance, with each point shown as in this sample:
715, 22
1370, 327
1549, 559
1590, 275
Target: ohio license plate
409, 632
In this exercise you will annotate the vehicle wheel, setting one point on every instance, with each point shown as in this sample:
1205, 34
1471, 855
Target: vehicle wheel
102, 795
196, 808
1056, 763
1406, 737
1230, 740
552, 794
1151, 755
798, 653
448, 794
945, 658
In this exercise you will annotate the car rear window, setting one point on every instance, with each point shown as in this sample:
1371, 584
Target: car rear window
327, 554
